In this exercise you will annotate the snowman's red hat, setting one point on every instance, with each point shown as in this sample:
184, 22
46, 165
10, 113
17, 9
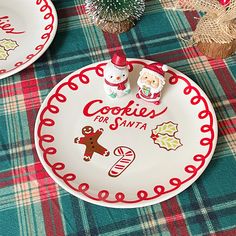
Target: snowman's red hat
156, 69
119, 59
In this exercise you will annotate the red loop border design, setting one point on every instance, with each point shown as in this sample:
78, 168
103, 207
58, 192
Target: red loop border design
46, 36
103, 195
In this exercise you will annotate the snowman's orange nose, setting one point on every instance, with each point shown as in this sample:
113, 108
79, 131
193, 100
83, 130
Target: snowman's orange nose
118, 77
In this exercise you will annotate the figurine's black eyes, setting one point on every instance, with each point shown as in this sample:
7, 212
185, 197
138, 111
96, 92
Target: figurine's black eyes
145, 77
123, 74
111, 76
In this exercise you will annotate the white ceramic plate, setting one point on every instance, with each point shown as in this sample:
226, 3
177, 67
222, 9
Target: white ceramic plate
156, 151
27, 28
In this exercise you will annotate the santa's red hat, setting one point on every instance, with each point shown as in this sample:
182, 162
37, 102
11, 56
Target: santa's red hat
119, 59
156, 69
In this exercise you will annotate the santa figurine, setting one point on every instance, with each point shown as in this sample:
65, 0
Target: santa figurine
151, 81
116, 81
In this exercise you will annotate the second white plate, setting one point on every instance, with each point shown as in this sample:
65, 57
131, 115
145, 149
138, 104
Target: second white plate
27, 28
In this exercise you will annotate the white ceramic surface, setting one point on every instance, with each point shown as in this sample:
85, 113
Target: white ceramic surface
156, 151
27, 28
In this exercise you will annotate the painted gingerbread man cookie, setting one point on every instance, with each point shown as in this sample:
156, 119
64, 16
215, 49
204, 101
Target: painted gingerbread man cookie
90, 140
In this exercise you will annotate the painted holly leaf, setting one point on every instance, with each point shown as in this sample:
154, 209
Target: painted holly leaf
169, 128
3, 53
167, 142
8, 44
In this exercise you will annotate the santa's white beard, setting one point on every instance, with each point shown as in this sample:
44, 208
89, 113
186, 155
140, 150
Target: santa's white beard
152, 90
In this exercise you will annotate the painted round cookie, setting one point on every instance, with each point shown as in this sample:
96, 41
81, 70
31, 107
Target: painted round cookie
125, 152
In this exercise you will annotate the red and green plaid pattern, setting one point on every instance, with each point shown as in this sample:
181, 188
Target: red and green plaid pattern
31, 203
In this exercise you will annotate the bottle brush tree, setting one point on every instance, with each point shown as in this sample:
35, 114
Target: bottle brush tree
115, 16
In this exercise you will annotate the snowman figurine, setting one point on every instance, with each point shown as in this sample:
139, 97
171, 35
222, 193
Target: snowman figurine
116, 81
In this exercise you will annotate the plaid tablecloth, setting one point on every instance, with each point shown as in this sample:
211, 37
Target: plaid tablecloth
31, 203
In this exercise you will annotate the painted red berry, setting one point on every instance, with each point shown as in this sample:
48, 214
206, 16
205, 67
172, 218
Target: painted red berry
224, 2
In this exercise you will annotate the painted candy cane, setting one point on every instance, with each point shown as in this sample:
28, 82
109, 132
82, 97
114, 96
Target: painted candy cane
127, 157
